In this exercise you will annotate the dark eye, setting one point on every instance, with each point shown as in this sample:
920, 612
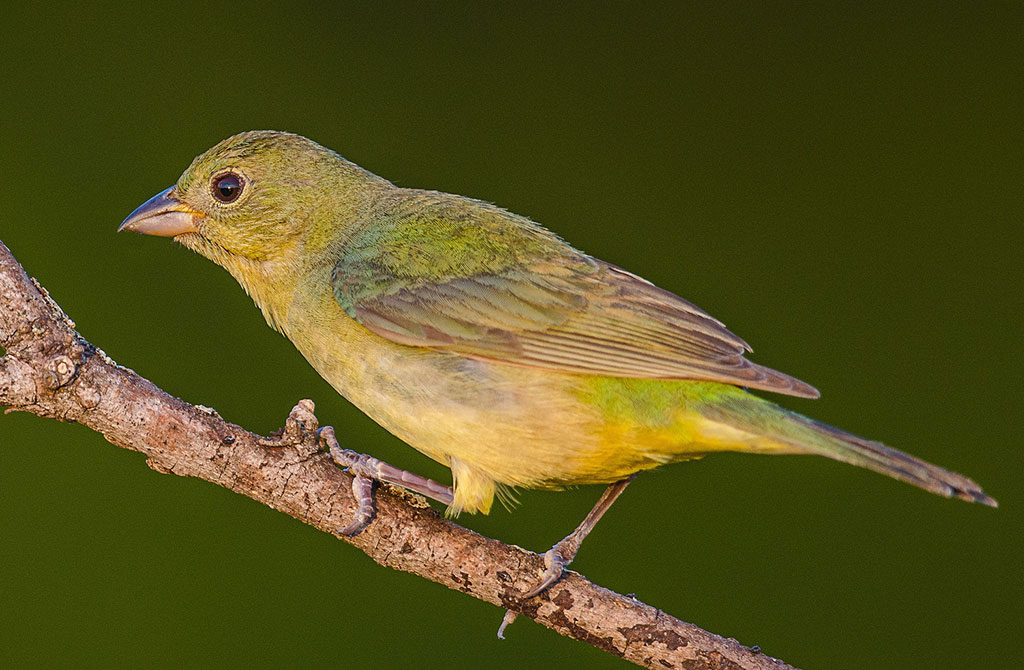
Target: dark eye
227, 187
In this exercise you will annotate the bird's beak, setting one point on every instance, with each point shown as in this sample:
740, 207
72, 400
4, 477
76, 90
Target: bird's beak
162, 215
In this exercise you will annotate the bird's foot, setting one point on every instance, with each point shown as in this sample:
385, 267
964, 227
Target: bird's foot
366, 469
558, 557
556, 560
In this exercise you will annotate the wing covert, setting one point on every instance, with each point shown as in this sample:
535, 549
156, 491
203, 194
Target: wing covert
557, 309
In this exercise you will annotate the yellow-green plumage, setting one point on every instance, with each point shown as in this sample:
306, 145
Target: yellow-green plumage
486, 342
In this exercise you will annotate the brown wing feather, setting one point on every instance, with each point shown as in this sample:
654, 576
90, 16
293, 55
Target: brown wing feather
591, 318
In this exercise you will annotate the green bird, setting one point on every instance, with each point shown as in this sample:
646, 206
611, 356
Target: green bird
482, 339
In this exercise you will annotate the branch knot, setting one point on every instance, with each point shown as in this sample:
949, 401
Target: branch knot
299, 428
58, 372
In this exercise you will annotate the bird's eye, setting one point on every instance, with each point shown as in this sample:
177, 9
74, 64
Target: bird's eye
227, 187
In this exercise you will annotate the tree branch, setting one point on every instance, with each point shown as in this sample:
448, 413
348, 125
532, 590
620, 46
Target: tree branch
51, 371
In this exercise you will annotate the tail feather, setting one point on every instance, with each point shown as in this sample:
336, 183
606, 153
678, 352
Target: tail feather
773, 429
848, 448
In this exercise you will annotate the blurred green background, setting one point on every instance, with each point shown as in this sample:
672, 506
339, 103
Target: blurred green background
843, 187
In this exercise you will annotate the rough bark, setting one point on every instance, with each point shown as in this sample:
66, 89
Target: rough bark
51, 371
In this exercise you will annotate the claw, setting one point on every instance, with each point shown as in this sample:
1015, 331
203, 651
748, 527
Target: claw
362, 491
506, 620
555, 562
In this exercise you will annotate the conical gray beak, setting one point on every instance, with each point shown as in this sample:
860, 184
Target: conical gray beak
162, 215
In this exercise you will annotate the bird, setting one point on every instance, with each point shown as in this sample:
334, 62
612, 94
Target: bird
484, 340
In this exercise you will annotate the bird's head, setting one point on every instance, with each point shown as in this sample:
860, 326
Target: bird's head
252, 195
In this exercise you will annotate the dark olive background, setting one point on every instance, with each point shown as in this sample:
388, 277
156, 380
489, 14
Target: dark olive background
840, 186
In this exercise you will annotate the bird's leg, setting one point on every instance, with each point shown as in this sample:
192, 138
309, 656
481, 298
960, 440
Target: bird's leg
558, 557
365, 469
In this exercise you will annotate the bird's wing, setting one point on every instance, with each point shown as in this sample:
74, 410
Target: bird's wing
536, 302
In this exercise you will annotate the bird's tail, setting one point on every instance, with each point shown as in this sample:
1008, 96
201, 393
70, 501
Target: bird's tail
772, 429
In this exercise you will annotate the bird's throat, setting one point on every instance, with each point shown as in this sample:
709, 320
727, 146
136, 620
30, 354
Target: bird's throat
268, 282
